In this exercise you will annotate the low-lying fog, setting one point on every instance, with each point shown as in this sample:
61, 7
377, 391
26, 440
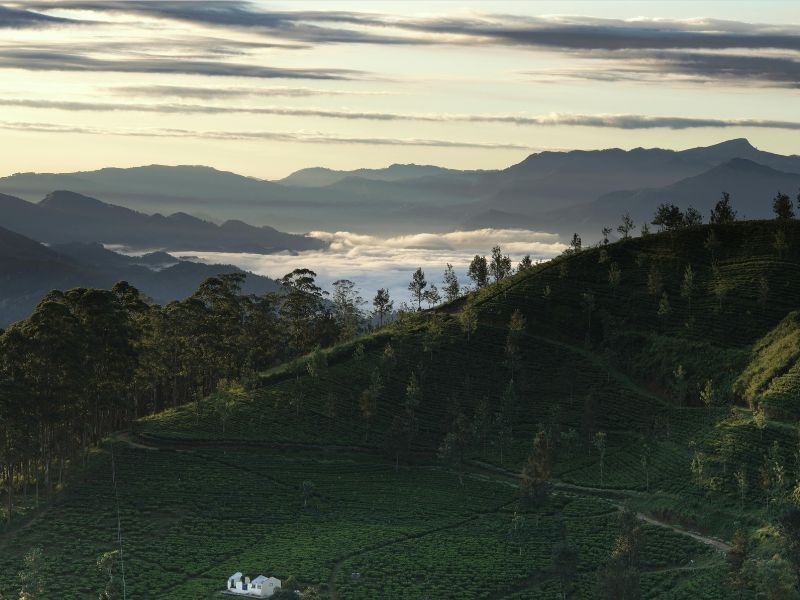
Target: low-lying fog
373, 262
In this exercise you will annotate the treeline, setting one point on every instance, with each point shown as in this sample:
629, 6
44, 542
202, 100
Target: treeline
88, 362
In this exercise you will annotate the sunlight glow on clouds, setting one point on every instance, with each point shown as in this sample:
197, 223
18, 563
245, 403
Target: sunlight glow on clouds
374, 262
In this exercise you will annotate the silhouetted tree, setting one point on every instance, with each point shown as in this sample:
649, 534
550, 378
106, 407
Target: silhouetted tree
500, 265
782, 206
668, 217
723, 212
692, 217
626, 227
382, 304
451, 288
479, 271
417, 287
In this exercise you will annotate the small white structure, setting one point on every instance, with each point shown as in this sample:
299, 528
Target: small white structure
260, 587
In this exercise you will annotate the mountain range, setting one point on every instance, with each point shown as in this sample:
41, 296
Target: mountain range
64, 216
553, 191
28, 270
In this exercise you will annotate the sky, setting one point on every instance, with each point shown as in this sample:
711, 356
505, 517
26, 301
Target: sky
266, 88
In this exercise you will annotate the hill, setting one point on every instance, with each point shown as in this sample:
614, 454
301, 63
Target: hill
64, 216
388, 466
751, 185
406, 198
29, 270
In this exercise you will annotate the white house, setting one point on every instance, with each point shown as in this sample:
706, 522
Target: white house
260, 587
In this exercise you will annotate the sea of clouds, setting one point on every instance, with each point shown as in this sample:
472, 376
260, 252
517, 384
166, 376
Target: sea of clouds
374, 262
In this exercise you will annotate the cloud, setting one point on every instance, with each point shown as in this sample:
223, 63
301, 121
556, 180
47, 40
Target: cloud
608, 121
563, 32
274, 136
374, 262
691, 67
18, 18
43, 60
209, 93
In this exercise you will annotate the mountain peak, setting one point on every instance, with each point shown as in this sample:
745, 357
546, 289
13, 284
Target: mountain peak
736, 144
67, 199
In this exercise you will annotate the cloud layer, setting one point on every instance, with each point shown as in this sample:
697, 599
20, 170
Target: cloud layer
554, 119
374, 262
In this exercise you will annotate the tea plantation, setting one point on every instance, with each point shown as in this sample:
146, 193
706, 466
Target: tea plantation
676, 393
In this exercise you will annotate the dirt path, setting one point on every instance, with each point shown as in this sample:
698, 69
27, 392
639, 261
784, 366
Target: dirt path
613, 495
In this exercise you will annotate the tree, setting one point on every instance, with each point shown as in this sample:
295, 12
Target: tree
500, 265
454, 445
779, 242
789, 528
516, 331
301, 307
412, 399
708, 396
687, 286
417, 287
737, 557
599, 442
347, 303
664, 309
525, 264
647, 455
368, 401
478, 271
655, 282
668, 217
618, 577
763, 292
382, 304
468, 319
679, 384
226, 398
783, 207
723, 212
775, 580
516, 532
432, 296
307, 491
451, 288
626, 227
692, 217
107, 564
614, 275
31, 577
740, 476
588, 305
575, 245
606, 232
535, 476
565, 562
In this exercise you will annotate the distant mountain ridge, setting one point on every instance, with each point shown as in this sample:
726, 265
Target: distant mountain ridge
64, 216
537, 192
28, 270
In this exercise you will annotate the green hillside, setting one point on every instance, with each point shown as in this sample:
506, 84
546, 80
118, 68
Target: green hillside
661, 371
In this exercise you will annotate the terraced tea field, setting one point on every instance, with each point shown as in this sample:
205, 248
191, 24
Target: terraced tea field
190, 517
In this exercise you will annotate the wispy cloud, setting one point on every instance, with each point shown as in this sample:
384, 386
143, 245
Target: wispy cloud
607, 121
274, 136
45, 60
699, 49
209, 93
19, 18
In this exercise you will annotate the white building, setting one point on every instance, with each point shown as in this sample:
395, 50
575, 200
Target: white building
260, 587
